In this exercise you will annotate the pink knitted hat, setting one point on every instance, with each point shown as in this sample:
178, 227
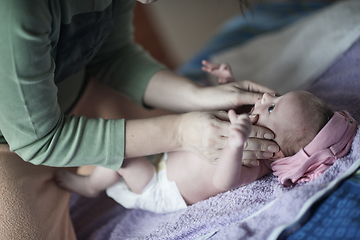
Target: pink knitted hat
332, 142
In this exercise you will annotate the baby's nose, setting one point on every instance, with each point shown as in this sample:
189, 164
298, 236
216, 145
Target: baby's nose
266, 97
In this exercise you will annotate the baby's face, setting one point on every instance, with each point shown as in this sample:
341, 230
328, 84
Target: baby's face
279, 114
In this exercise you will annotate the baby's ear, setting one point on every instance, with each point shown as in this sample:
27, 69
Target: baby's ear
278, 155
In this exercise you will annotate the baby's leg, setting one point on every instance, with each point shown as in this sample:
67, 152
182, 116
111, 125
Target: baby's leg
137, 173
88, 186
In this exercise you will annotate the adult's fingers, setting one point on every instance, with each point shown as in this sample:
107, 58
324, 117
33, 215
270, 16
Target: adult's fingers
261, 132
222, 115
250, 162
253, 158
254, 155
251, 92
249, 98
257, 144
255, 87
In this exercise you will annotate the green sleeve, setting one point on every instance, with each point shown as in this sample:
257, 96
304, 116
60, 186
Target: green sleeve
30, 119
121, 64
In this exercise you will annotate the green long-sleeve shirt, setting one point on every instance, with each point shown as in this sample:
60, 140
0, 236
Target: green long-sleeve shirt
43, 42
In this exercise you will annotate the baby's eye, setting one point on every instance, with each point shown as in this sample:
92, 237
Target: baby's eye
271, 108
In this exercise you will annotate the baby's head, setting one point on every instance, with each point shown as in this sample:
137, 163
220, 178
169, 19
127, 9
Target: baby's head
310, 135
295, 118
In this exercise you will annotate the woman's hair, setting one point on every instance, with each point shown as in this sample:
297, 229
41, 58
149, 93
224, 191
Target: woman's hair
315, 114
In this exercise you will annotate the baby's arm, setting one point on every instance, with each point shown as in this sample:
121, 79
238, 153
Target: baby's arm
222, 71
230, 173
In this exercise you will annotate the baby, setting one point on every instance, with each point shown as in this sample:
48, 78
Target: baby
311, 137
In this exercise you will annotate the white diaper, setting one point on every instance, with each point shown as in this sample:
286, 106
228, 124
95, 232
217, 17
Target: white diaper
159, 196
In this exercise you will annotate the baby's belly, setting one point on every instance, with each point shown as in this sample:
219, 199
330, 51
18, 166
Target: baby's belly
192, 175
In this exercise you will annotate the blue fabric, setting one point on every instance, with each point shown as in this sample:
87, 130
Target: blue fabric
263, 18
337, 217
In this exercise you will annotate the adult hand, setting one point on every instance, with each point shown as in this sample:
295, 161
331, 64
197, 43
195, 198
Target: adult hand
172, 92
230, 95
205, 134
259, 145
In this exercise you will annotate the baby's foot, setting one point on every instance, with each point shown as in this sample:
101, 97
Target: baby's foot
75, 183
222, 71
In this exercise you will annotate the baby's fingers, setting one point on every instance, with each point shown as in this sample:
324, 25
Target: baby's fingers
240, 123
232, 116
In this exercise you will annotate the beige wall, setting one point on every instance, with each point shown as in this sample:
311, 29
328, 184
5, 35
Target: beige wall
186, 25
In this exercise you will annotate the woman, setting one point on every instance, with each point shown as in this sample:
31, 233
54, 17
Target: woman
45, 44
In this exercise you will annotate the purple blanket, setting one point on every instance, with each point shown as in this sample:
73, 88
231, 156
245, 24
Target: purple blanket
249, 212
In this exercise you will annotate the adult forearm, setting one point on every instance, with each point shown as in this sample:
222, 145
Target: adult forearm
175, 93
172, 92
203, 133
151, 136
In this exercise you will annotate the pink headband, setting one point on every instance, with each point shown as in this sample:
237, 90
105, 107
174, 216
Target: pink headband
332, 142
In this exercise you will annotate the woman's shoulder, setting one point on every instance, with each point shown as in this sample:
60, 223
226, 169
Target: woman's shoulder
24, 15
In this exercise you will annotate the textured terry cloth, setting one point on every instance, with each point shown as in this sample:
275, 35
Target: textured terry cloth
159, 196
332, 142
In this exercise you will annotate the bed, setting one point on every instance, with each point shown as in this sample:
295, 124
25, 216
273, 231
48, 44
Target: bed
327, 208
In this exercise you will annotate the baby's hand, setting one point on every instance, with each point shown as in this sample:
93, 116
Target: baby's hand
240, 129
222, 71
